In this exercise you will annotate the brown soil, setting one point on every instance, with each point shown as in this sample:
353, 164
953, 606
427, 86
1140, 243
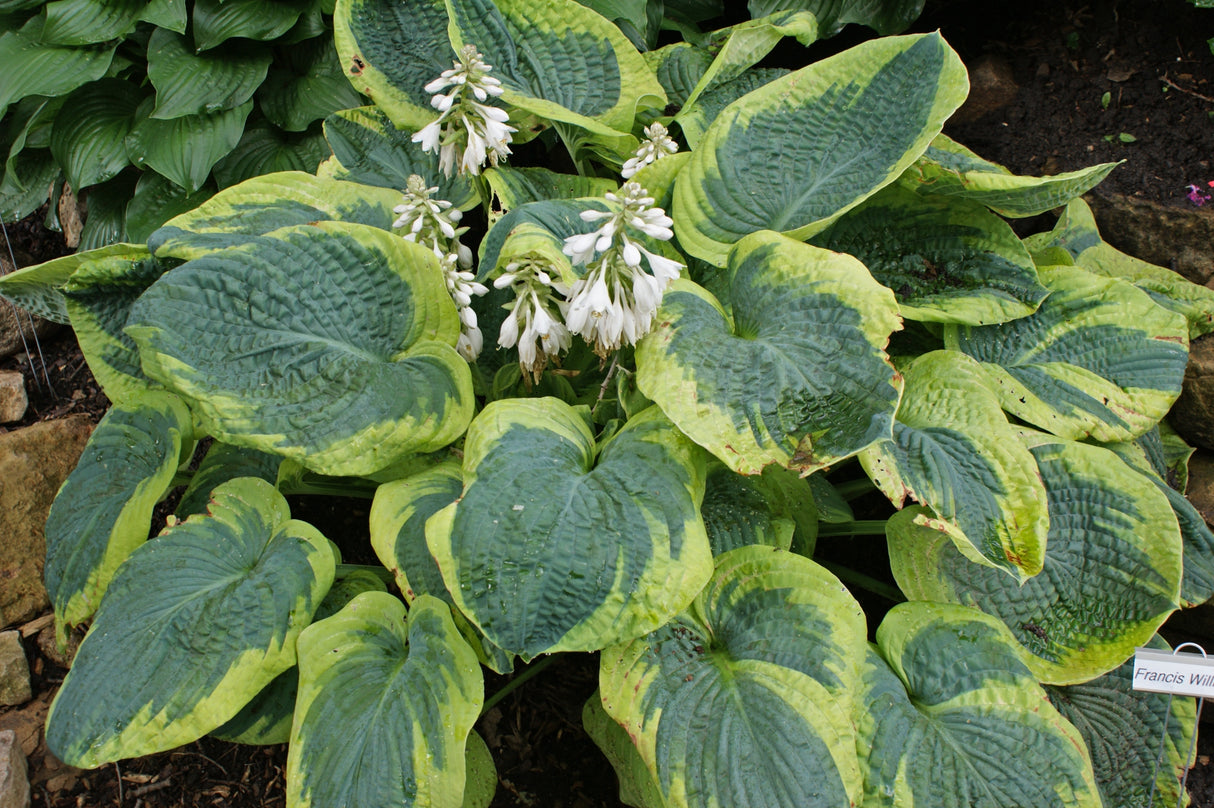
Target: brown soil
1150, 56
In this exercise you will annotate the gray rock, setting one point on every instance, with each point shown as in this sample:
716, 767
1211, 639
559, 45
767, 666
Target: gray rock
34, 462
13, 400
1192, 415
14, 671
14, 774
1173, 237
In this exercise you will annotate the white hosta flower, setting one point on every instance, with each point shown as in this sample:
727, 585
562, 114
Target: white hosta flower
657, 144
616, 301
531, 325
468, 132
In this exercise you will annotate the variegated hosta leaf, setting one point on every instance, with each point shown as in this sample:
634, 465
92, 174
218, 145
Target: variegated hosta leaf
947, 260
398, 521
746, 43
267, 718
513, 187
679, 67
947, 168
561, 545
330, 343
104, 509
411, 688
771, 160
390, 50
538, 228
952, 718
221, 463
173, 647
99, 296
884, 16
1076, 233
745, 699
398, 535
370, 150
39, 289
954, 451
770, 510
1124, 731
1098, 358
264, 204
1197, 585
561, 61
637, 785
796, 376
1111, 574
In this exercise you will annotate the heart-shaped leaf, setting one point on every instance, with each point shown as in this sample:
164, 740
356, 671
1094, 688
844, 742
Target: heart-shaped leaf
175, 654
947, 260
745, 699
514, 187
796, 376
390, 50
221, 463
771, 160
954, 451
169, 14
103, 510
558, 544
34, 67
1098, 358
947, 168
185, 149
89, 135
884, 16
189, 83
1124, 730
1076, 233
413, 688
952, 717
561, 61
263, 204
329, 343
775, 509
1111, 574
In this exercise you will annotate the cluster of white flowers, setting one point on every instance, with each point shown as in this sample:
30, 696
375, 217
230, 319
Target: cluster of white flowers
431, 223
466, 121
535, 319
657, 144
615, 302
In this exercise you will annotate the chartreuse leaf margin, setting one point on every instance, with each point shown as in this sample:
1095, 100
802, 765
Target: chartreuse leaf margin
411, 686
1111, 574
330, 344
559, 544
745, 699
101, 513
1099, 358
954, 451
797, 153
952, 718
796, 375
245, 557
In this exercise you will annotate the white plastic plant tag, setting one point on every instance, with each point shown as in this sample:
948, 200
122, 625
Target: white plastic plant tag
1178, 674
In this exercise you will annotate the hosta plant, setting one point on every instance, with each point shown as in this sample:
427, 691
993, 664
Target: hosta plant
144, 109
610, 337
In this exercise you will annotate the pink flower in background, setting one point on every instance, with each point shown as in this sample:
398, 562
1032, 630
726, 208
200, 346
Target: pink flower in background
1198, 196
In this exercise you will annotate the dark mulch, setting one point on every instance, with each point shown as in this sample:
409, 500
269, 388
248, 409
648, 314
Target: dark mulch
1149, 55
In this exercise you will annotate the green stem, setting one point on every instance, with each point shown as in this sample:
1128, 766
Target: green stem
516, 682
866, 582
861, 527
855, 488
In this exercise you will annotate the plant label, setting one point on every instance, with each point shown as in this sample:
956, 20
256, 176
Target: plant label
1176, 674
